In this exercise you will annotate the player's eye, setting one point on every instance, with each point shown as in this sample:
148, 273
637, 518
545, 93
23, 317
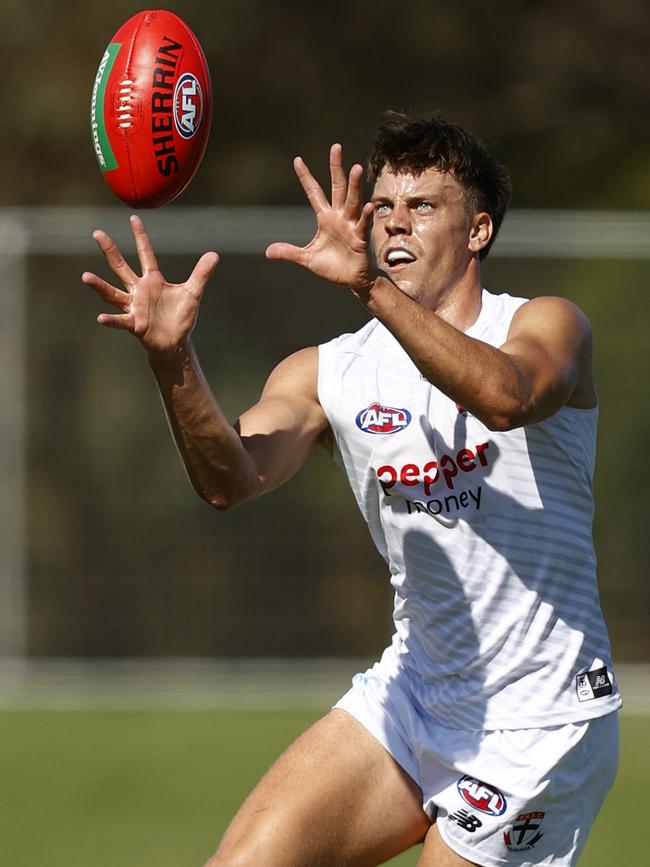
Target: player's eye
424, 207
382, 208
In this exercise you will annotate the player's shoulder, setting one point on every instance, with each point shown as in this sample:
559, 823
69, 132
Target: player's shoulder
297, 372
356, 342
551, 310
300, 369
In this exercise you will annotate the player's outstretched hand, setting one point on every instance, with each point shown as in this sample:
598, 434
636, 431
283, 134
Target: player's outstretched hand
160, 314
339, 250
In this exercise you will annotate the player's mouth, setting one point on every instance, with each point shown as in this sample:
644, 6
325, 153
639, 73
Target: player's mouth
397, 258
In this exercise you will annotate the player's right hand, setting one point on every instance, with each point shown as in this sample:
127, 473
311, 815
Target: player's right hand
160, 314
339, 251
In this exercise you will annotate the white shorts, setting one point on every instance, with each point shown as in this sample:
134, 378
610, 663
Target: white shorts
525, 797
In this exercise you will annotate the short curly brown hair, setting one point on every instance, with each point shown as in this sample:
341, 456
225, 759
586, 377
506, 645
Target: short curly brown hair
408, 144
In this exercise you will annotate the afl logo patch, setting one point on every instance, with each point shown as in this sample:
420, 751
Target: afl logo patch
481, 797
378, 419
188, 105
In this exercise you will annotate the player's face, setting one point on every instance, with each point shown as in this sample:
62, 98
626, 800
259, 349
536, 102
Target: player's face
423, 233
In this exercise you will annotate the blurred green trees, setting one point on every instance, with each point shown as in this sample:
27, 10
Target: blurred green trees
123, 557
559, 90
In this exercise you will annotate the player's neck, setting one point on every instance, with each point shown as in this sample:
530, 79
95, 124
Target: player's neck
459, 304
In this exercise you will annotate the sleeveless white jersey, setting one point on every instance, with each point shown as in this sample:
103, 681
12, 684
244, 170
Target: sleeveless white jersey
487, 536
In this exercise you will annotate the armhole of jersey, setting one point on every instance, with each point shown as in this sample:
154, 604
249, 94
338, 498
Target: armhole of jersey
326, 357
514, 306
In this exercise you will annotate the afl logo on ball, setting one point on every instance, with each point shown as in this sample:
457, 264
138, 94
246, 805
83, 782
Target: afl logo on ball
481, 797
378, 419
188, 105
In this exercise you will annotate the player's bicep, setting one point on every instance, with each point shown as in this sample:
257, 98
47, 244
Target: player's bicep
280, 430
550, 343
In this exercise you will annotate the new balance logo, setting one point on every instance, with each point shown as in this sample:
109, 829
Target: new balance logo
466, 820
593, 684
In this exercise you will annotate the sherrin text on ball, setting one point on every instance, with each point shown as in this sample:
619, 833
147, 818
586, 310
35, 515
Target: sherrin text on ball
151, 109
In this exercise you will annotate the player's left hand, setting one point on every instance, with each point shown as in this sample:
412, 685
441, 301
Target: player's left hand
339, 251
160, 314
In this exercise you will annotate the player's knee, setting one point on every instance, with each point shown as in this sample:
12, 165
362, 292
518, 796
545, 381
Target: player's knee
257, 846
242, 856
229, 858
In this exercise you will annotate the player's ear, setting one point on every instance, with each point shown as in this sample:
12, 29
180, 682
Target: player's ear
480, 231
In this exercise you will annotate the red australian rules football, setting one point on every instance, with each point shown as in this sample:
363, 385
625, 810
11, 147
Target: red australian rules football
151, 109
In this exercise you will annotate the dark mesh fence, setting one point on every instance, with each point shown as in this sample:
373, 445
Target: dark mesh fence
122, 558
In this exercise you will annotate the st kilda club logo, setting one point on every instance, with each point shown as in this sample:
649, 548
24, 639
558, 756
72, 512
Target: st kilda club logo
525, 832
378, 419
481, 796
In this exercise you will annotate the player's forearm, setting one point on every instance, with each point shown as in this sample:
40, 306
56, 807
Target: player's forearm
219, 467
486, 381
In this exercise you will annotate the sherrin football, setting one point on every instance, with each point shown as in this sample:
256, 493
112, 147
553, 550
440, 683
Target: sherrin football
151, 109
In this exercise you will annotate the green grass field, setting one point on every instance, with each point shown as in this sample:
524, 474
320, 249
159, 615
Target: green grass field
156, 789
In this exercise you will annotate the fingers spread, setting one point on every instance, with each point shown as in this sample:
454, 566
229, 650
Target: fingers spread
339, 181
146, 253
202, 272
313, 191
288, 252
115, 259
117, 297
123, 322
353, 198
365, 220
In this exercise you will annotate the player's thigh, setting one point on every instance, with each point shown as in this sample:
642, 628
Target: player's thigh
436, 853
334, 797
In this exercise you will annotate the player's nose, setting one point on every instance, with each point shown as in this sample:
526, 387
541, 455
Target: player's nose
399, 220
